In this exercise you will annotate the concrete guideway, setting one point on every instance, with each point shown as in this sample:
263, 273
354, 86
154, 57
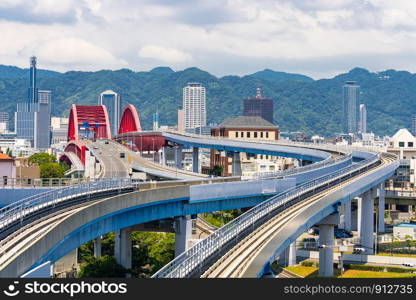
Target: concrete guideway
206, 252
252, 256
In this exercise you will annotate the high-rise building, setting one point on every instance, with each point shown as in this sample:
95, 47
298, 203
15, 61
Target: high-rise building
156, 121
4, 122
112, 102
181, 125
32, 91
33, 118
363, 119
350, 107
414, 125
195, 114
259, 106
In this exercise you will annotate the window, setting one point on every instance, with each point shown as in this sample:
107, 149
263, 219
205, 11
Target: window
261, 134
236, 134
242, 134
255, 134
410, 144
401, 144
267, 134
248, 134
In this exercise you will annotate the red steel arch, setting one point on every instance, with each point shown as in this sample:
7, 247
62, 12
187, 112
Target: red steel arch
95, 115
130, 121
78, 148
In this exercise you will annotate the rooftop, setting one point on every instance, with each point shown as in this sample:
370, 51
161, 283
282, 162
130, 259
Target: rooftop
246, 122
5, 157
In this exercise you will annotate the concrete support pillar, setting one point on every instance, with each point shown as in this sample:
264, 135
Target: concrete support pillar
290, 254
97, 246
178, 156
164, 155
236, 164
347, 217
195, 160
381, 206
326, 245
359, 208
367, 222
122, 247
183, 233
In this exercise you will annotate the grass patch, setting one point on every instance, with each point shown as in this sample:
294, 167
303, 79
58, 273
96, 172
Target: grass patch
373, 274
308, 272
396, 254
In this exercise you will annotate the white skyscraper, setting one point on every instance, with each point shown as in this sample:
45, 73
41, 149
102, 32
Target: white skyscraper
195, 114
363, 119
112, 102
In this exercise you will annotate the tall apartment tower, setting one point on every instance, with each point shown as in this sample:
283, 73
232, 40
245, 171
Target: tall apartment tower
350, 107
4, 122
259, 106
194, 108
33, 118
363, 119
112, 102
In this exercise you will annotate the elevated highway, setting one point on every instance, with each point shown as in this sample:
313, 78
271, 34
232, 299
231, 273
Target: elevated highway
66, 222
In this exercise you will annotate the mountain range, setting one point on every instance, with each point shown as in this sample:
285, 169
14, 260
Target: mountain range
300, 102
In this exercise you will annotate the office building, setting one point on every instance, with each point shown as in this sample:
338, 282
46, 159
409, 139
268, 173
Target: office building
112, 102
195, 114
59, 129
181, 121
350, 108
363, 119
32, 118
259, 106
414, 125
4, 122
156, 121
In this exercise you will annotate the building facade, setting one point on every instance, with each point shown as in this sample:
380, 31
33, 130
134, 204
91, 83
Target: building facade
245, 127
194, 106
4, 122
350, 107
363, 119
259, 106
112, 102
32, 118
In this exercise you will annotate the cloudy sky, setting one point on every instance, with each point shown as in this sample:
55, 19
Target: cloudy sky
319, 38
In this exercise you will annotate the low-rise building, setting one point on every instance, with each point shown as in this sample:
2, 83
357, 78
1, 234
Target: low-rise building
7, 168
251, 128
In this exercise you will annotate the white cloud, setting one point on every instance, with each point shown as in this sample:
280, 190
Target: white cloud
164, 54
76, 52
222, 36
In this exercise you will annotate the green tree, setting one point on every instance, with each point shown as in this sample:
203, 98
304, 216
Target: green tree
104, 266
42, 158
52, 170
9, 152
216, 170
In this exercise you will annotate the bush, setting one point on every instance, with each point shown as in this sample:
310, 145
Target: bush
105, 266
307, 263
366, 267
399, 270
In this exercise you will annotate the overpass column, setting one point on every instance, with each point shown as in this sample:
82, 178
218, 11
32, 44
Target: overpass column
359, 208
195, 159
178, 156
164, 155
123, 247
381, 205
367, 222
183, 233
97, 246
236, 164
326, 245
347, 216
291, 254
